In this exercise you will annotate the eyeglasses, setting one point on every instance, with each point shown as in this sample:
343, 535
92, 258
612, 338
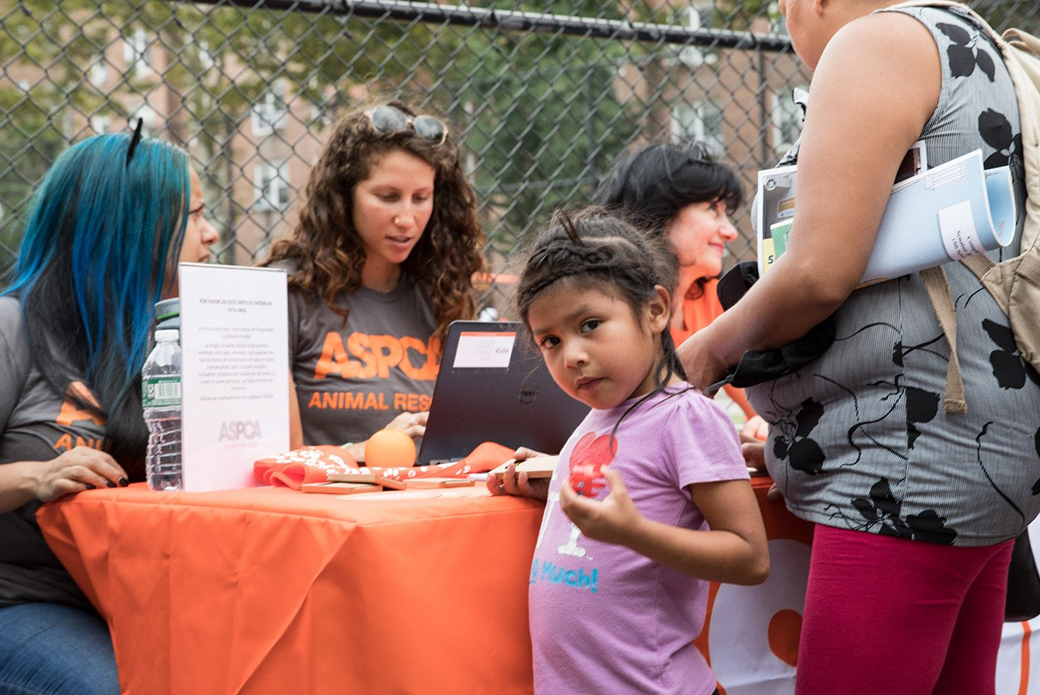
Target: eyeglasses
388, 120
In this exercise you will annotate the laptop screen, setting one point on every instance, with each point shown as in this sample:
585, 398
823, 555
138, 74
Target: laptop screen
493, 386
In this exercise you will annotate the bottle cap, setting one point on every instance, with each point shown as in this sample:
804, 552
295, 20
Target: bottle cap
168, 313
167, 335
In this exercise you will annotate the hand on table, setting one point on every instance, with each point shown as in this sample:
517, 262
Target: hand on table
412, 424
518, 484
78, 469
756, 428
753, 447
611, 520
754, 451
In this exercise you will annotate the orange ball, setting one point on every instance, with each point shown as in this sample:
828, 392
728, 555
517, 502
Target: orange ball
390, 449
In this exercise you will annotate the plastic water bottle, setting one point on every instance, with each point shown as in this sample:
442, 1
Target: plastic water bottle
161, 398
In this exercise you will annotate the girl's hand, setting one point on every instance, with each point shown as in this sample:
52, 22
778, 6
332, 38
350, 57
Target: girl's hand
523, 453
78, 469
518, 484
614, 520
412, 424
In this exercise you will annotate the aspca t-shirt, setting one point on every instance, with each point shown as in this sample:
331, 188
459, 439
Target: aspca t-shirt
604, 618
354, 377
36, 424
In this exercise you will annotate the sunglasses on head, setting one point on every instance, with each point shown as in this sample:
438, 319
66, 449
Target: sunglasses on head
387, 120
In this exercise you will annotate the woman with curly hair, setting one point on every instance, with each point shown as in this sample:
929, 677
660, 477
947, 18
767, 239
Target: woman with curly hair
381, 261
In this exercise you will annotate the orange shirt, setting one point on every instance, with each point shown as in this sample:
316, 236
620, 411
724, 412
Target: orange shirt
698, 312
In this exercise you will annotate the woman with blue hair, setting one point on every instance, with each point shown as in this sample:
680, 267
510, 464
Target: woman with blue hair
108, 224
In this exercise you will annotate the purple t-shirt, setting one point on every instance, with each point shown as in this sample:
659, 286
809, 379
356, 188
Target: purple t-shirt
605, 619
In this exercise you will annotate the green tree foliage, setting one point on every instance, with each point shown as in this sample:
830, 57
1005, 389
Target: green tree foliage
45, 54
536, 112
738, 15
27, 147
1004, 14
540, 112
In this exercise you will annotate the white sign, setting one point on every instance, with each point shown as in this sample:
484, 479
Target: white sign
479, 350
235, 365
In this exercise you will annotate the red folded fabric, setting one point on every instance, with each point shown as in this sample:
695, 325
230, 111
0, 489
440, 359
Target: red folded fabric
312, 464
309, 464
482, 459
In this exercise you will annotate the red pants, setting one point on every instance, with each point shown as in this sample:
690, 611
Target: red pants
889, 616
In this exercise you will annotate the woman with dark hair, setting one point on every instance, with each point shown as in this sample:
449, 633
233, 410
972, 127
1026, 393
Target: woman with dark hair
108, 224
381, 261
684, 196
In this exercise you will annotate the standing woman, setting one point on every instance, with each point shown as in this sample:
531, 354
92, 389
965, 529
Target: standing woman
681, 194
915, 508
108, 224
380, 262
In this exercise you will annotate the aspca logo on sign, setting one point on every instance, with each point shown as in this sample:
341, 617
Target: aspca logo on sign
235, 430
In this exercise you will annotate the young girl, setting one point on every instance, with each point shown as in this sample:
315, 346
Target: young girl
619, 580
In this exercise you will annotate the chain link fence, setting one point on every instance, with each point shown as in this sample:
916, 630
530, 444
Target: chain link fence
543, 96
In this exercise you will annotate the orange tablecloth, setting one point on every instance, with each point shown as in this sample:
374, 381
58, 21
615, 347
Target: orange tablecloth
269, 590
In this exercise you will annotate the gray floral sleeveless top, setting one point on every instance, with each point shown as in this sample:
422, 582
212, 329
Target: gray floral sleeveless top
859, 439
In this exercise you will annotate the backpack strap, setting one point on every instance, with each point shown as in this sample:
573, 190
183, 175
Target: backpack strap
1022, 41
997, 278
938, 288
1006, 281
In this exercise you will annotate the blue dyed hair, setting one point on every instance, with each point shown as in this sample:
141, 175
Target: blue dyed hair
95, 258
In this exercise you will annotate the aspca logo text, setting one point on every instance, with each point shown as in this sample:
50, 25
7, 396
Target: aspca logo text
235, 430
371, 356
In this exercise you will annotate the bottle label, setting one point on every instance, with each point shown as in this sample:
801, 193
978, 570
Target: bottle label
161, 391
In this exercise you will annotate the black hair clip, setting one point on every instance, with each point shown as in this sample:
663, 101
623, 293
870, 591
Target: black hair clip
134, 140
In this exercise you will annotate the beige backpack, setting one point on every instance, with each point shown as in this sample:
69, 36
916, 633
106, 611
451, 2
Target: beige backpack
1014, 283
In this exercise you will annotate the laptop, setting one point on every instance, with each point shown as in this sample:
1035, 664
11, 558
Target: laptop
493, 386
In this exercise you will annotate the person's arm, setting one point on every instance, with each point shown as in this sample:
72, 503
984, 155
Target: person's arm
75, 470
876, 86
72, 471
732, 550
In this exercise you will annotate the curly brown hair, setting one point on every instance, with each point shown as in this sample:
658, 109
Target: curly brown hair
325, 246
